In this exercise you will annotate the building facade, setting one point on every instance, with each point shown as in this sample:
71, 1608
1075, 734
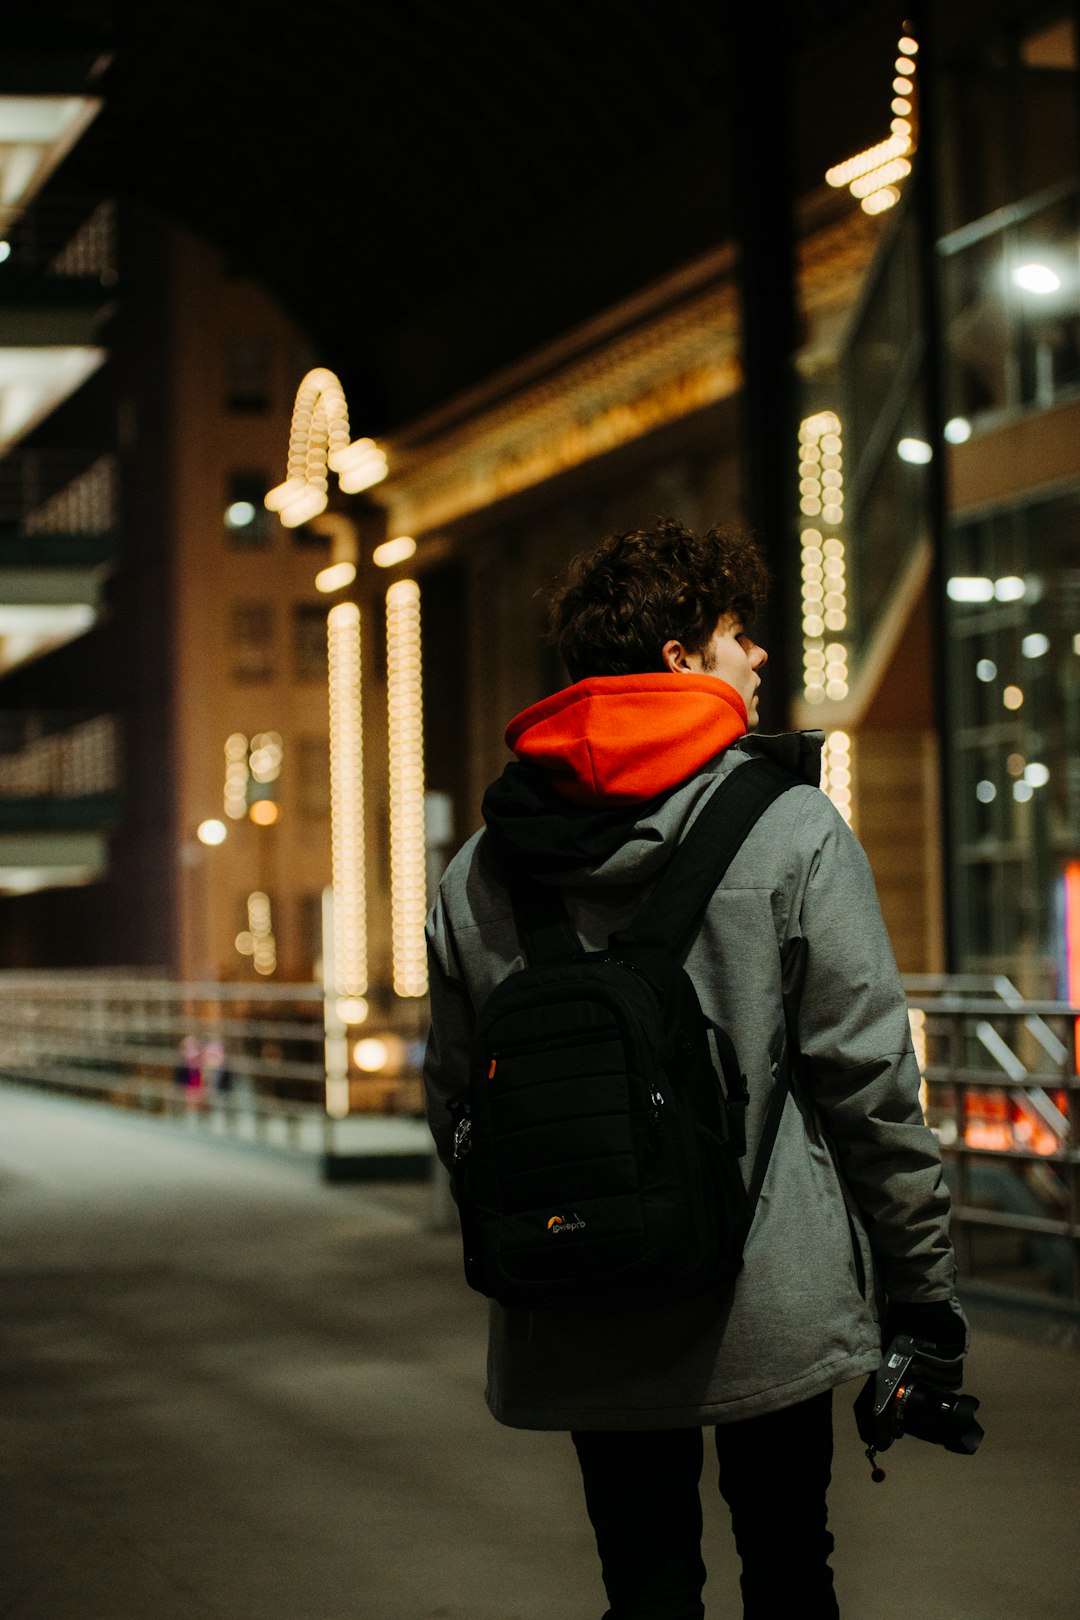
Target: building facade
926, 570
163, 638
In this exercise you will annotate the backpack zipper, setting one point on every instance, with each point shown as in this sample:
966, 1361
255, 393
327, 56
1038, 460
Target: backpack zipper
656, 1123
462, 1139
547, 1043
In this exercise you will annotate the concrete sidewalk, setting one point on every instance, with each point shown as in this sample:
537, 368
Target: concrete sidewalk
232, 1391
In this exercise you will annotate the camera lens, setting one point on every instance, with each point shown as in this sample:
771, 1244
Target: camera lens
940, 1417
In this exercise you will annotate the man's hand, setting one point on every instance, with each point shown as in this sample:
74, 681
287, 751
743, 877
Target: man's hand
942, 1328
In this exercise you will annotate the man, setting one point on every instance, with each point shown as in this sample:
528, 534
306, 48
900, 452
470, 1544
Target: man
792, 960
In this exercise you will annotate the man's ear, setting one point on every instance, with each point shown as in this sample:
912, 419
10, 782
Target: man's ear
674, 655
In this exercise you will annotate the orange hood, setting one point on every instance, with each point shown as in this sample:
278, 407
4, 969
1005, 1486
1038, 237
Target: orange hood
618, 739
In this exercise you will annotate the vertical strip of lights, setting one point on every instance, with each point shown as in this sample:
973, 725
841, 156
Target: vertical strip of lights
824, 566
347, 800
261, 930
836, 774
335, 1035
824, 590
408, 891
237, 749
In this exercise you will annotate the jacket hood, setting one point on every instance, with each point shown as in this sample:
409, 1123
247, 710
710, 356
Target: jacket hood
532, 822
624, 739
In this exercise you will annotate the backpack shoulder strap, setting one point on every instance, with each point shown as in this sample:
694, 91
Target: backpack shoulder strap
678, 901
542, 920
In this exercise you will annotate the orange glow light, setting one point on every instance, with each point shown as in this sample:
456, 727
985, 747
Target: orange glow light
264, 812
1072, 946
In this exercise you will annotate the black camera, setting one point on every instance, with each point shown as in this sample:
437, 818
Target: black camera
893, 1403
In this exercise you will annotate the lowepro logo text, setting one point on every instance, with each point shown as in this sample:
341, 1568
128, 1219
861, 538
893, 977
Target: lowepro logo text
559, 1223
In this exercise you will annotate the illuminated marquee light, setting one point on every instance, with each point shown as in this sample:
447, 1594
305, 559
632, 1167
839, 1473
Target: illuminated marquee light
236, 776
865, 162
877, 179
878, 201
836, 772
260, 931
335, 577
359, 466
371, 1054
871, 175
258, 759
347, 801
318, 443
408, 890
392, 552
267, 753
824, 565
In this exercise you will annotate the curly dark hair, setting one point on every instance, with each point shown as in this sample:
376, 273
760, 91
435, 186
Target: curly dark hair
620, 603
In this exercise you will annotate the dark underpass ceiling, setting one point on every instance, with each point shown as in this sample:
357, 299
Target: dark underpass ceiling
391, 170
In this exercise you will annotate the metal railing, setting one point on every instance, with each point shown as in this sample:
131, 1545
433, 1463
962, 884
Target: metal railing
58, 492
66, 237
245, 1058
58, 755
1002, 1096
1001, 1089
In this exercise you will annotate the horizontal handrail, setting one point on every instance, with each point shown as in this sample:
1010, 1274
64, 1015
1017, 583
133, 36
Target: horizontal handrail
1000, 1085
90, 982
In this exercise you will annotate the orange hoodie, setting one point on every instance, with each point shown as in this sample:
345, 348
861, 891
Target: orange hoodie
617, 739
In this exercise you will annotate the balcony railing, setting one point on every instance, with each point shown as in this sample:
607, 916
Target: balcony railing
70, 239
57, 492
57, 755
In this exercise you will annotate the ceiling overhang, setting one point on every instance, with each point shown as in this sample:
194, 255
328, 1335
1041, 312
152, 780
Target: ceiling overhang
662, 356
33, 861
36, 132
33, 382
43, 609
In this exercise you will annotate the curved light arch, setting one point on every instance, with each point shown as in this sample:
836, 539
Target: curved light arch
318, 445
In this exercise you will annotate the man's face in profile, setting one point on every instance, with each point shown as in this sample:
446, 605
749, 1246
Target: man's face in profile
731, 655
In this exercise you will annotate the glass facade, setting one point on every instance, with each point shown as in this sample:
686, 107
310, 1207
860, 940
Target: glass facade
1012, 320
881, 393
1015, 680
1009, 266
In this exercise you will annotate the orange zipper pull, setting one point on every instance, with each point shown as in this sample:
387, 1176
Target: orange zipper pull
491, 1068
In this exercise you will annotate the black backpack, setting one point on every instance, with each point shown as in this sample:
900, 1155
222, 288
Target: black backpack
596, 1156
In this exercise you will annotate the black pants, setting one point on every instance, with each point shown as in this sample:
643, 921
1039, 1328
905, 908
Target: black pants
641, 1490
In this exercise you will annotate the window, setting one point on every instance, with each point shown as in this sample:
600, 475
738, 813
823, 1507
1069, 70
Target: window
247, 522
309, 642
313, 778
1014, 689
310, 536
247, 374
251, 643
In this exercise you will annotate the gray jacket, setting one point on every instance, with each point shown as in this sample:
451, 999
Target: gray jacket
793, 939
